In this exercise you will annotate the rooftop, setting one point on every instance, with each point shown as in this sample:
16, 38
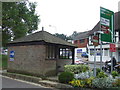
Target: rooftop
42, 36
82, 35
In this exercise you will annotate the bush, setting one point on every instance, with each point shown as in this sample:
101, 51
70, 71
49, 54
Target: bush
117, 82
106, 82
114, 73
83, 75
101, 75
89, 81
76, 68
3, 61
97, 71
65, 77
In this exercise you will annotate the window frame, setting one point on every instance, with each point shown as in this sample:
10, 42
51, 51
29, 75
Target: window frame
82, 40
64, 53
50, 52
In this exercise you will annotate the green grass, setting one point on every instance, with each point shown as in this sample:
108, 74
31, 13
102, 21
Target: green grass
3, 61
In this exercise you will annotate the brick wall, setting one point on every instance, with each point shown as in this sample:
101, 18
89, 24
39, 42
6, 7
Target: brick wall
30, 59
62, 63
81, 45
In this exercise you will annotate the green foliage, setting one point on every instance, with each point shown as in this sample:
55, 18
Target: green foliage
65, 37
117, 82
3, 61
97, 71
84, 75
19, 18
62, 36
89, 81
76, 68
75, 33
101, 75
65, 77
77, 83
114, 73
106, 82
82, 83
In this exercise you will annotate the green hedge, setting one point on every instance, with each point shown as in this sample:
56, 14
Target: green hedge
76, 68
3, 61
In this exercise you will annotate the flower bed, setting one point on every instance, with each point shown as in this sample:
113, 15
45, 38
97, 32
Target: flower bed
86, 80
76, 68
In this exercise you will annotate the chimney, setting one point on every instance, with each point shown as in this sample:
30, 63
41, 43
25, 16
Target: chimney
42, 28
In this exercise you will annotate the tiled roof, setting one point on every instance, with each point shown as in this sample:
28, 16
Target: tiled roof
42, 36
82, 35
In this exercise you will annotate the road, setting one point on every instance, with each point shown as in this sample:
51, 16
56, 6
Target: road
13, 83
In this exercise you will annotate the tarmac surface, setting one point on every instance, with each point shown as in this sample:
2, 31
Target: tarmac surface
14, 83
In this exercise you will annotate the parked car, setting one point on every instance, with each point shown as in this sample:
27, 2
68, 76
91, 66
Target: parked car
79, 61
84, 54
4, 52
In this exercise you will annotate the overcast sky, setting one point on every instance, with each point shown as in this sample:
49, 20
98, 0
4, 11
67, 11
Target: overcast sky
66, 16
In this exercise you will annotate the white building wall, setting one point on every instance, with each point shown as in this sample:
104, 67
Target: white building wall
106, 55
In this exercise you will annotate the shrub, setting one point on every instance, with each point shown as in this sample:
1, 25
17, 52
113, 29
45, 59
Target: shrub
4, 61
97, 71
101, 75
65, 77
106, 82
89, 81
114, 73
76, 68
117, 82
83, 75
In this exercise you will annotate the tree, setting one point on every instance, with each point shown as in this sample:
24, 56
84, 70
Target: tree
18, 20
75, 33
62, 36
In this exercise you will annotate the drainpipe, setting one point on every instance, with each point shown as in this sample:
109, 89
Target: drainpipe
73, 52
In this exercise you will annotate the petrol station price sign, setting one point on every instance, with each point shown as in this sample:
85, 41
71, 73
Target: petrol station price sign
107, 24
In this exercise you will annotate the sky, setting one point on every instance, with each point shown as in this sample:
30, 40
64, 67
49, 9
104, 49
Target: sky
66, 16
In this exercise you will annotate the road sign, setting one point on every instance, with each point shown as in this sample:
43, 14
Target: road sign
107, 24
112, 48
79, 51
12, 53
95, 40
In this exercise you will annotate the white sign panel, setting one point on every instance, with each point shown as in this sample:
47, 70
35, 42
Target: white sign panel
105, 21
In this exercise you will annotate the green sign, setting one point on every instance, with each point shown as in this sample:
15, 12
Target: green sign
107, 24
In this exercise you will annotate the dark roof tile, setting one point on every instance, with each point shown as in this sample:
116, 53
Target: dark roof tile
82, 35
42, 36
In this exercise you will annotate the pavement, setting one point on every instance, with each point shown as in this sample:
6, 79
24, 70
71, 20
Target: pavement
50, 82
14, 83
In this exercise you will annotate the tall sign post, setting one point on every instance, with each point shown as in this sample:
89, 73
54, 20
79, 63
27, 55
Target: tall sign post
95, 43
107, 26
